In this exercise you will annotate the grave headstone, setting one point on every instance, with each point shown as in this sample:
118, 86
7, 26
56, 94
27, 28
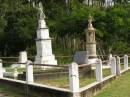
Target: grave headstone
81, 57
22, 59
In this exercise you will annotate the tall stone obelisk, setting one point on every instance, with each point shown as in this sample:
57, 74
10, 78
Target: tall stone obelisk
90, 40
43, 42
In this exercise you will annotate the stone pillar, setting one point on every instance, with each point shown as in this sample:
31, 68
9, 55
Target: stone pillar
1, 69
29, 72
23, 57
118, 67
125, 62
113, 66
99, 76
74, 79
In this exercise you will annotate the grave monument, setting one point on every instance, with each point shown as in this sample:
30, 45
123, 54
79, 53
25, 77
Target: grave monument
43, 41
90, 41
22, 59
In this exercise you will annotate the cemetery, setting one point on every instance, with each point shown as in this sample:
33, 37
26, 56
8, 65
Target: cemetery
84, 74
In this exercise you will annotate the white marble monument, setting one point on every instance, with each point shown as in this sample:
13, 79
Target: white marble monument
43, 42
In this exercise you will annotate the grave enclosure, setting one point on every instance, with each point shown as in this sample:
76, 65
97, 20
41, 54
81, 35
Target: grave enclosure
74, 89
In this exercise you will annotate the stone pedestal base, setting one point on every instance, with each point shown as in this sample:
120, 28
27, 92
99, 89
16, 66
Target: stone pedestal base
91, 48
93, 60
49, 60
18, 66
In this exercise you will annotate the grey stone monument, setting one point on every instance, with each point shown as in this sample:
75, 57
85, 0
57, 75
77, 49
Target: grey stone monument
90, 41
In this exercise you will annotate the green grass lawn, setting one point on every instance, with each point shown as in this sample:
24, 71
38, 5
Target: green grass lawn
10, 91
63, 81
118, 88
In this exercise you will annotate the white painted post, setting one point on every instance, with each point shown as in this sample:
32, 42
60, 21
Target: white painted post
99, 76
110, 57
1, 69
113, 66
118, 67
125, 62
29, 72
74, 77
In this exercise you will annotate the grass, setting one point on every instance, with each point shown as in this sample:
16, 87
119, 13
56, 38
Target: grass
9, 69
118, 88
106, 72
63, 82
10, 91
7, 90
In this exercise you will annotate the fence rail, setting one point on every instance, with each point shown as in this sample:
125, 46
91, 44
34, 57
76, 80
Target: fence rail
114, 63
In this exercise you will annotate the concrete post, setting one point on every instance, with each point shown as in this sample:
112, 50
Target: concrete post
23, 57
110, 58
113, 65
74, 79
29, 72
1, 69
118, 67
99, 76
125, 62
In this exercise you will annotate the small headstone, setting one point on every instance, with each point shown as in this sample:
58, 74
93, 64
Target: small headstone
22, 59
81, 57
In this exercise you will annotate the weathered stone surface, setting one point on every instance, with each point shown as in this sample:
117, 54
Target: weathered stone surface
22, 59
81, 57
43, 44
90, 39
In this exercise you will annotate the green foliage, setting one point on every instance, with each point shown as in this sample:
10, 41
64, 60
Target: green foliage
66, 22
18, 26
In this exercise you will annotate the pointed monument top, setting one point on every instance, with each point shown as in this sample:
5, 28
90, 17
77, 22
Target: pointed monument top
41, 13
90, 25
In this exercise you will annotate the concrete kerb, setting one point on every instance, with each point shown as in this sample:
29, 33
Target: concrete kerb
35, 87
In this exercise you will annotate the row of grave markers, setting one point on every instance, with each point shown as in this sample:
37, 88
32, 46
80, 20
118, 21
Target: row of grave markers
74, 72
